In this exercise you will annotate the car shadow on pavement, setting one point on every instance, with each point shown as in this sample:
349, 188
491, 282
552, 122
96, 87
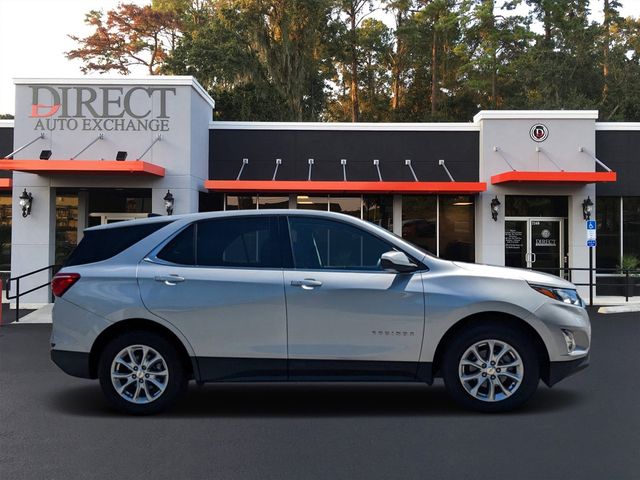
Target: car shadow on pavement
310, 400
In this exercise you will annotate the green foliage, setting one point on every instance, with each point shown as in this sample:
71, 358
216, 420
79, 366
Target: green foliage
629, 262
336, 60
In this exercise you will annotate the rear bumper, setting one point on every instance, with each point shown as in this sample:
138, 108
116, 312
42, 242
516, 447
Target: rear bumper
561, 370
75, 364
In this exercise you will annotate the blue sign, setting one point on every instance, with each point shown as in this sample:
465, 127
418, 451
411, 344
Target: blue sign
591, 243
591, 224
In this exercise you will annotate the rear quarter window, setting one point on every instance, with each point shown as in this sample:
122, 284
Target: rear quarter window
99, 245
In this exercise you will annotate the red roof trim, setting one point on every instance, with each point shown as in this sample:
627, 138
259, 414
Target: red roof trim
6, 183
50, 167
315, 186
554, 177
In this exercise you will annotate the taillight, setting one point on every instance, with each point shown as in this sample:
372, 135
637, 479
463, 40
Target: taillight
62, 282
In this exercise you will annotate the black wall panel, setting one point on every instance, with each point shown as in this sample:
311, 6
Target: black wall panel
6, 147
227, 148
620, 151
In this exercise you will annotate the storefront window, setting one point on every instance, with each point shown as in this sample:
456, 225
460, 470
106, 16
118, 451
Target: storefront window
457, 228
608, 218
66, 226
631, 226
347, 205
305, 202
378, 209
266, 203
419, 221
241, 202
5, 232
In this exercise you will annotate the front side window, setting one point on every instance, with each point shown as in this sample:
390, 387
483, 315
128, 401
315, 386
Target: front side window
325, 244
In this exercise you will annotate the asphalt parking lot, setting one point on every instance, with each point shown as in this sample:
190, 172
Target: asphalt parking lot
57, 427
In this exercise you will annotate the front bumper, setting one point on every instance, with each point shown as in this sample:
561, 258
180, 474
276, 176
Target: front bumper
75, 364
560, 370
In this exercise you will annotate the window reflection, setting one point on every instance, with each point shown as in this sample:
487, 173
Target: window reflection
419, 221
631, 219
305, 202
267, 203
457, 228
241, 202
608, 218
378, 209
347, 205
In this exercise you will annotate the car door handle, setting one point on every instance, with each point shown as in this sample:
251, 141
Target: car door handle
169, 279
307, 283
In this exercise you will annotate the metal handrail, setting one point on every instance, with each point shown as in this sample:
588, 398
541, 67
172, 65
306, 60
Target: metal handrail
622, 272
18, 293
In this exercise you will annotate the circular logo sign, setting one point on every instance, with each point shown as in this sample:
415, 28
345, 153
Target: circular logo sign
539, 132
545, 233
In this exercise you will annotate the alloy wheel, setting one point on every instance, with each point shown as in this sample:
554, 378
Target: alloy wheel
139, 374
491, 370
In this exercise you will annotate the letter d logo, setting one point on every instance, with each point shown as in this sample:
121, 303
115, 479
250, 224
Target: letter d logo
36, 107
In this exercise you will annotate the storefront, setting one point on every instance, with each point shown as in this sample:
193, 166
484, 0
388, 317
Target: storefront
508, 188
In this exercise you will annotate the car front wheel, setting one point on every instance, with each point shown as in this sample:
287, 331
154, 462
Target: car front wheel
491, 368
141, 373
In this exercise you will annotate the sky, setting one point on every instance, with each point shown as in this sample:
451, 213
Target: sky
34, 37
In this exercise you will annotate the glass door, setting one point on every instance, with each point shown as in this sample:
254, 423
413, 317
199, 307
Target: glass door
536, 243
516, 245
546, 246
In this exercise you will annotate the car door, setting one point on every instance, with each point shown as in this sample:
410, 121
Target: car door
219, 281
346, 316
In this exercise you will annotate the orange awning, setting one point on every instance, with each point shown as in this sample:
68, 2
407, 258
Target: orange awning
553, 177
316, 186
79, 167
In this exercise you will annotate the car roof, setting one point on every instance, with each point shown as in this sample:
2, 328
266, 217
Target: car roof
189, 217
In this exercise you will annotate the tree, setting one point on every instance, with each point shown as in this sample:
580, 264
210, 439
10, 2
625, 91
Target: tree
287, 37
131, 35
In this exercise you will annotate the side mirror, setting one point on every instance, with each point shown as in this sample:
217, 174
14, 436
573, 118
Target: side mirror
397, 262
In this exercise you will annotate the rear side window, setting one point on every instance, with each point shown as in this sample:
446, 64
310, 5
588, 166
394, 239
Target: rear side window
238, 242
181, 249
98, 245
250, 242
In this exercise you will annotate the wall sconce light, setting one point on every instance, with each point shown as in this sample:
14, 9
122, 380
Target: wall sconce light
168, 202
495, 208
45, 154
25, 203
587, 207
121, 156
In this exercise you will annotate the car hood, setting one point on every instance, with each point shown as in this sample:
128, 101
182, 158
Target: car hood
529, 276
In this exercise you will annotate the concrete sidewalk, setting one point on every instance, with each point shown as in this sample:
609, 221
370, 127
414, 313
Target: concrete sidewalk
42, 315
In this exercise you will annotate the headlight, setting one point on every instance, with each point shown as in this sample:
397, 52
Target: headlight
565, 295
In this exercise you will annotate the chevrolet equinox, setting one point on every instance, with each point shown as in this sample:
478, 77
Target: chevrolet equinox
275, 295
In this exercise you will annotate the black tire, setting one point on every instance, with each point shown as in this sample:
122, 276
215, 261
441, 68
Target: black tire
521, 342
176, 383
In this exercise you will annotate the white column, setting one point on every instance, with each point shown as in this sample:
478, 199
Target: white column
397, 215
33, 242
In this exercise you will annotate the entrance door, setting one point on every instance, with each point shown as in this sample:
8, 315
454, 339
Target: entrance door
536, 243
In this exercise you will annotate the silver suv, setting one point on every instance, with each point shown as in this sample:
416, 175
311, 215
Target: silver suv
278, 295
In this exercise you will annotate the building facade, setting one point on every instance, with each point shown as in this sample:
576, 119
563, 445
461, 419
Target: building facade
509, 188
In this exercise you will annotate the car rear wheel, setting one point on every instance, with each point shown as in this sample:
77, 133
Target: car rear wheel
491, 368
141, 373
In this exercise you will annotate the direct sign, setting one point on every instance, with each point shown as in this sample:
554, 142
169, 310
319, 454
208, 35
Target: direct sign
591, 243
